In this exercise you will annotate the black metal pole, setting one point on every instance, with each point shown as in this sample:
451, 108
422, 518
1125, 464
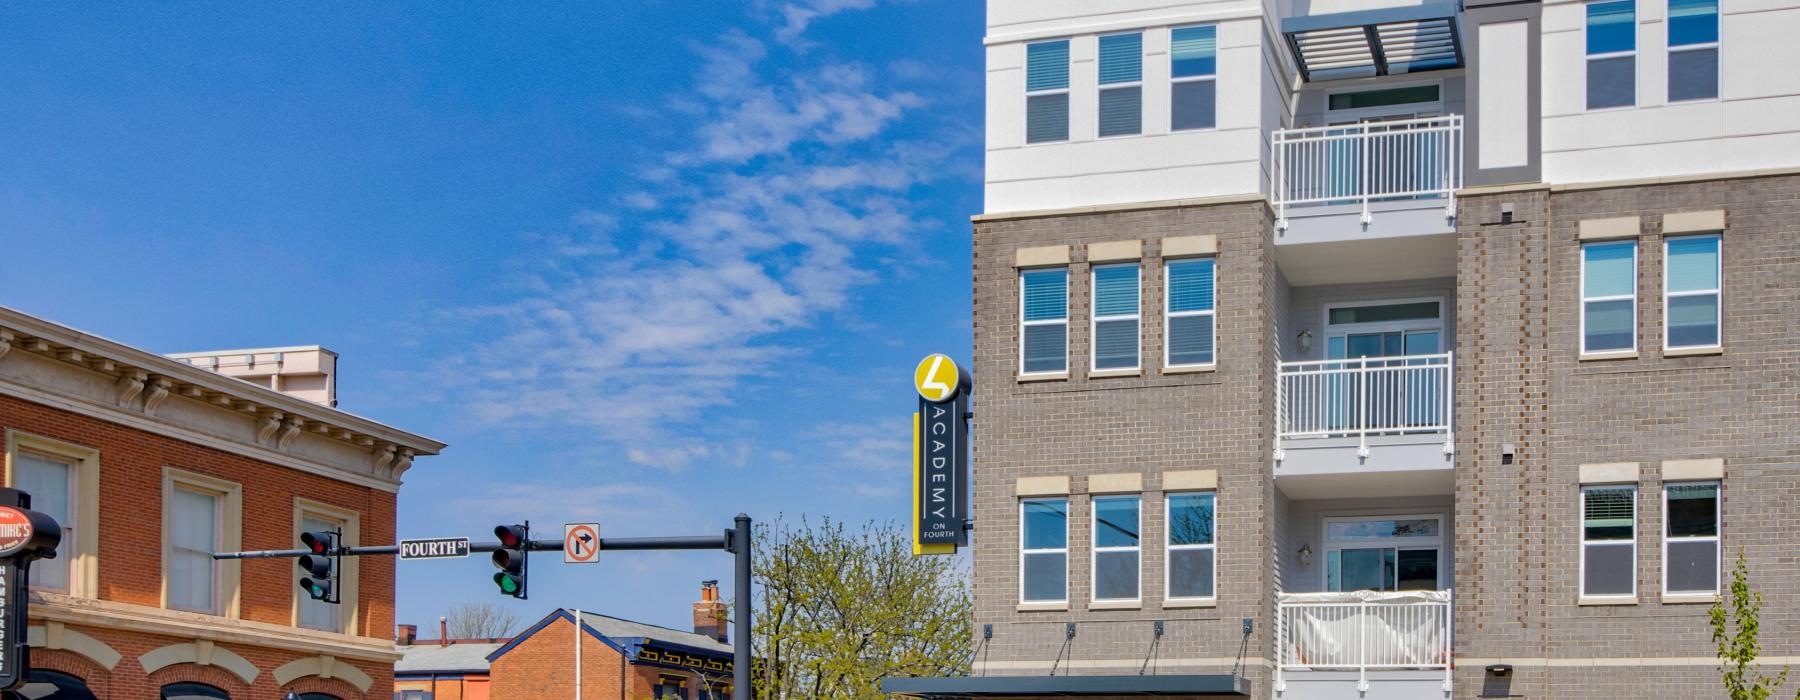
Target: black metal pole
614, 543
740, 652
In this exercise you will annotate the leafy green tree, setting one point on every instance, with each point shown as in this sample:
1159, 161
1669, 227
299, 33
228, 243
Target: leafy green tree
1735, 623
837, 610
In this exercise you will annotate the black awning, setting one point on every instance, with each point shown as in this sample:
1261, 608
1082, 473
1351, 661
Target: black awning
1386, 41
1073, 686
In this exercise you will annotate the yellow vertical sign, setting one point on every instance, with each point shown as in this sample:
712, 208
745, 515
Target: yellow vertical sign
917, 504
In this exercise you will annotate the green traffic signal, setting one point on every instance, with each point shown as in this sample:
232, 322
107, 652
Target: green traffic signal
510, 558
507, 583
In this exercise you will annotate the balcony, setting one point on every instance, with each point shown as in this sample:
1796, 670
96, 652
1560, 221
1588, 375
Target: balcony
1399, 640
1409, 161
1345, 423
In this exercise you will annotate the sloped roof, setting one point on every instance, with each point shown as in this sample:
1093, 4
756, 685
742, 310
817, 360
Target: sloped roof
466, 657
616, 628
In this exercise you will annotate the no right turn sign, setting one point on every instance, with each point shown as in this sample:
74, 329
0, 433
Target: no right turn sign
581, 543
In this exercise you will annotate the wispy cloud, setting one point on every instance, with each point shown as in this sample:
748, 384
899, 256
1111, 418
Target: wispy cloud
797, 16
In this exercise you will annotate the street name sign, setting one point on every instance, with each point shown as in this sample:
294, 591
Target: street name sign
581, 543
435, 548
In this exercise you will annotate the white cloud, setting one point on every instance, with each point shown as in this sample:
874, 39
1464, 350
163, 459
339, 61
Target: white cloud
797, 16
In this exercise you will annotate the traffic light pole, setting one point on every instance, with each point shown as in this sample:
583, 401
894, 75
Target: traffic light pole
736, 540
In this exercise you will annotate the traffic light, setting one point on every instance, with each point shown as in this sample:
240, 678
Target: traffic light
320, 566
510, 558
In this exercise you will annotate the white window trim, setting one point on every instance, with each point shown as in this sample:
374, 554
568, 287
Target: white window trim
1168, 315
1067, 89
1718, 63
349, 612
1209, 78
1416, 325
1590, 58
1329, 545
1581, 534
1095, 318
227, 591
1064, 322
84, 564
1064, 550
1094, 532
1719, 292
1102, 88
1581, 289
1356, 114
1170, 546
1718, 529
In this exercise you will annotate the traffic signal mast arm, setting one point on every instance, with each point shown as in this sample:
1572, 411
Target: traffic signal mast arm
606, 543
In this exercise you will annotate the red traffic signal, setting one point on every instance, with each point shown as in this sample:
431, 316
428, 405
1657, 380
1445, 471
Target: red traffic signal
319, 566
318, 542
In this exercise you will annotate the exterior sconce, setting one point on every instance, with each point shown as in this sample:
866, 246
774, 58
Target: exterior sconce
1305, 555
1305, 339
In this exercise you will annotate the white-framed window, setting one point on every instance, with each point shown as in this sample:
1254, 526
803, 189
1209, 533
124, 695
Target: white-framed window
1691, 538
200, 515
1188, 312
1384, 553
1193, 85
1609, 297
1693, 50
1044, 550
1611, 54
1047, 91
312, 515
63, 480
53, 482
195, 521
318, 614
1609, 541
1191, 563
1115, 317
1044, 320
1692, 307
1121, 74
1118, 549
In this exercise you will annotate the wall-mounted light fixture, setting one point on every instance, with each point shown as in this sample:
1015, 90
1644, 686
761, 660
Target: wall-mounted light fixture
1305, 339
1305, 555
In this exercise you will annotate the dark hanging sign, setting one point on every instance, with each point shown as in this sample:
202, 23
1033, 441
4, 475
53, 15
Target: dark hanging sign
25, 535
941, 464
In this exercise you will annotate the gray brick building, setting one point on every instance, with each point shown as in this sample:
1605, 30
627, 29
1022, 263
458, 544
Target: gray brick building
1371, 351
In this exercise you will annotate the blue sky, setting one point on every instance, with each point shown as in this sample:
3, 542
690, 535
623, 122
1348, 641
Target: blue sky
646, 263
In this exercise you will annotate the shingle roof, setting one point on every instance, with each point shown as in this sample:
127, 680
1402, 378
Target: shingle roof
616, 628
466, 657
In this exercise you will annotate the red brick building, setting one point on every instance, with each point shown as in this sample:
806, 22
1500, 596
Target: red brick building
152, 463
619, 660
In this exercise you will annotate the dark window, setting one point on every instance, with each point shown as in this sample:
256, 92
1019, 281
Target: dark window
49, 685
319, 696
193, 691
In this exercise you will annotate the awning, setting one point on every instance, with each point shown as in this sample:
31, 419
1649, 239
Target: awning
1387, 41
1070, 686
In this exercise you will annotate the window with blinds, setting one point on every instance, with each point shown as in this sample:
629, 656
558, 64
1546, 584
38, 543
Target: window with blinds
1117, 548
1691, 292
1609, 297
1044, 321
1693, 50
318, 614
51, 481
193, 581
1691, 539
1189, 313
1121, 85
1193, 63
1612, 54
1609, 541
1116, 316
1044, 550
1047, 91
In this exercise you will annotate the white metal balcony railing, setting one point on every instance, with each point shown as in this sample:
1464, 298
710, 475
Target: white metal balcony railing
1363, 631
1367, 162
1410, 394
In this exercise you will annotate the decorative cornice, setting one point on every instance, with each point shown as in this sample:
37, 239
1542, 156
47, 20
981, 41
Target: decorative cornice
130, 383
266, 426
6, 340
290, 429
159, 390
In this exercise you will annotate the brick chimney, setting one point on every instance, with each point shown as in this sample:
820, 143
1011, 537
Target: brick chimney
709, 613
408, 634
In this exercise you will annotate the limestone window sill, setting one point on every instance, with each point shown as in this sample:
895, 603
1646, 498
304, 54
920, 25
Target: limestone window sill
1686, 599
1617, 355
1116, 605
1043, 607
1585, 601
1178, 604
1104, 373
1044, 377
1189, 369
1692, 352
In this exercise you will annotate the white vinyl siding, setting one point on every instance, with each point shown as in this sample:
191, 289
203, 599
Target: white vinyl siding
1044, 321
1691, 538
1121, 73
1188, 313
1116, 318
53, 485
193, 580
1609, 541
1609, 297
1047, 91
1692, 305
1191, 560
1118, 552
1044, 550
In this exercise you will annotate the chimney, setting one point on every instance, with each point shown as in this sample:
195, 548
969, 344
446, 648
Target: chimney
709, 613
443, 632
408, 634
308, 371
